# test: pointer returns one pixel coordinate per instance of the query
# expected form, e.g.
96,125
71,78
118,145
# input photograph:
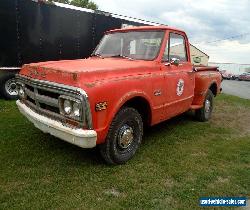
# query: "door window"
177,47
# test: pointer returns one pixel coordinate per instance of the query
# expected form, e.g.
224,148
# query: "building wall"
233,68
197,56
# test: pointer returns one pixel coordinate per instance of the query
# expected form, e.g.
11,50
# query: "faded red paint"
116,81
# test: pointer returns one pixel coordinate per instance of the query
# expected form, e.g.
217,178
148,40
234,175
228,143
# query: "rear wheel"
204,114
8,87
124,137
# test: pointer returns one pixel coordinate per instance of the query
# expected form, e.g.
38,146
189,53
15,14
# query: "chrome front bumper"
79,137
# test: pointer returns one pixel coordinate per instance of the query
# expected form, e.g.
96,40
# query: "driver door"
178,76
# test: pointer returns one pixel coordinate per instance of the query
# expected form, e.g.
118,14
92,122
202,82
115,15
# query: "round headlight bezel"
76,111
67,107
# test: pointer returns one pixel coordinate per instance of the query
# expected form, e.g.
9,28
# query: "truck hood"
76,72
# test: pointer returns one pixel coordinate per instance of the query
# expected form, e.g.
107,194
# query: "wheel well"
142,106
213,88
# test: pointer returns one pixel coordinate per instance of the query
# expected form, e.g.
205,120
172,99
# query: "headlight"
76,109
70,107
67,106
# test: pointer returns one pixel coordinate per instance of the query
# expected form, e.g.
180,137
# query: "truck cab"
136,77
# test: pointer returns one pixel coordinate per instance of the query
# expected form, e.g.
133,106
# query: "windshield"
141,45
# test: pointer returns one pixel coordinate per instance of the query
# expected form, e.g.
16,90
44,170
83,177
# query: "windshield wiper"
120,56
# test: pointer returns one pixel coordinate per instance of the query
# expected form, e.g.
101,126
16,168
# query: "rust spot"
35,73
74,76
90,85
72,122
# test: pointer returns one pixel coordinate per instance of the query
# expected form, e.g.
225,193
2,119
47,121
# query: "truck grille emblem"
101,106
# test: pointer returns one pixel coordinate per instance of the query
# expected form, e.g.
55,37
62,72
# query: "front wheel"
124,137
204,114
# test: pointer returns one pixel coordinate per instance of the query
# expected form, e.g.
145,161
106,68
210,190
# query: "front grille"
50,108
45,100
48,93
30,100
43,97
29,87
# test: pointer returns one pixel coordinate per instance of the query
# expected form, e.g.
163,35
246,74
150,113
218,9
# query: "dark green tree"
84,3
79,3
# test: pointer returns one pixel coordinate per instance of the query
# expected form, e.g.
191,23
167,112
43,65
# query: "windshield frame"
128,31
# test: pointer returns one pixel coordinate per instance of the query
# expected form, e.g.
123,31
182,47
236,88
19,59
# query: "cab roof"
138,28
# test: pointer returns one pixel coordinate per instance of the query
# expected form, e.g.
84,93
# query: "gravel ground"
236,88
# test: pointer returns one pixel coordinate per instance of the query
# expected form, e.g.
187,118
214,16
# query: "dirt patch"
164,202
168,183
112,192
219,181
199,154
235,117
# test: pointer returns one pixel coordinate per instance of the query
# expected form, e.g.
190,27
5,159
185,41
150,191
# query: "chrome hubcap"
125,136
11,87
207,106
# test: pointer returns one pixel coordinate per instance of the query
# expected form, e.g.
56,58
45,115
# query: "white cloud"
182,19
204,21
228,49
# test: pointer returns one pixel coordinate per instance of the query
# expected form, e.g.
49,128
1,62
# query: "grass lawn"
179,161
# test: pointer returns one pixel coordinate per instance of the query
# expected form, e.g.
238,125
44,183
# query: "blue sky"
204,21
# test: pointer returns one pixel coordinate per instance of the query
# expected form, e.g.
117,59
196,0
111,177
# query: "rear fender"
202,85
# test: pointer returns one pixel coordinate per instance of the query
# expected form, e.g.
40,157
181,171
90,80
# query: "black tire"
7,81
205,113
118,150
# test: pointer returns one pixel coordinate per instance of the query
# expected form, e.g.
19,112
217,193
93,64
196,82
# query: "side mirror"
173,61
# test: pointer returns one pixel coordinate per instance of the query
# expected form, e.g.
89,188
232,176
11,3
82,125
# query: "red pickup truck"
136,77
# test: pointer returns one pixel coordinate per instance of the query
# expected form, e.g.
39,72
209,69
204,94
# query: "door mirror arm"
173,61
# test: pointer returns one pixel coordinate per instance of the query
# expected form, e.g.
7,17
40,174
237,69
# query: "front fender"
115,95
128,96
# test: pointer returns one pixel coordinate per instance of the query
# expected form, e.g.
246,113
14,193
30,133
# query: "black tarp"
8,34
33,32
